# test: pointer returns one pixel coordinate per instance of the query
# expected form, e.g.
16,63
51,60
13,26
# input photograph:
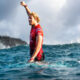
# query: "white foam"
2,46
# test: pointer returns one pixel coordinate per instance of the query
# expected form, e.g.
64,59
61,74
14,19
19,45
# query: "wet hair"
36,17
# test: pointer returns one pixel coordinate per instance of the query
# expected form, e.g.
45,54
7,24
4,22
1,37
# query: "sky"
60,20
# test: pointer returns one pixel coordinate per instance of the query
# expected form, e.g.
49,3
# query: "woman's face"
31,20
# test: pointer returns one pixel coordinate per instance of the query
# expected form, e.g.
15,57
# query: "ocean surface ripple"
62,62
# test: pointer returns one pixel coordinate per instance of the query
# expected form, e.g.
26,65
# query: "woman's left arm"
38,47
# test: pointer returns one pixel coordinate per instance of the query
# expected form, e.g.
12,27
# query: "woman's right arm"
26,7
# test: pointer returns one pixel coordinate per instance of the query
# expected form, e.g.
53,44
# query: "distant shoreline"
6,41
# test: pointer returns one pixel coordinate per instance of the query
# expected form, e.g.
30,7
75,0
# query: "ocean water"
62,62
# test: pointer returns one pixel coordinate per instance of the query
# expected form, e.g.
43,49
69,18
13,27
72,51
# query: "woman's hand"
31,60
23,3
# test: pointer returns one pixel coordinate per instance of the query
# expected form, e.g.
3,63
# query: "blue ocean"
62,62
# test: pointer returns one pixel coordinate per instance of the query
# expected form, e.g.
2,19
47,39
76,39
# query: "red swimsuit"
33,34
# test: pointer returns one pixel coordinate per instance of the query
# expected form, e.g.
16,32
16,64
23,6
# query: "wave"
2,46
62,60
62,44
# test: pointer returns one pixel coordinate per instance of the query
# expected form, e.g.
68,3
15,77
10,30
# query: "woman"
36,36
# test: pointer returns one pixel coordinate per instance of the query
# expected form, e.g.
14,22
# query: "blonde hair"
36,17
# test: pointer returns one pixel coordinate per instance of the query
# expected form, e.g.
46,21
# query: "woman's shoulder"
38,26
